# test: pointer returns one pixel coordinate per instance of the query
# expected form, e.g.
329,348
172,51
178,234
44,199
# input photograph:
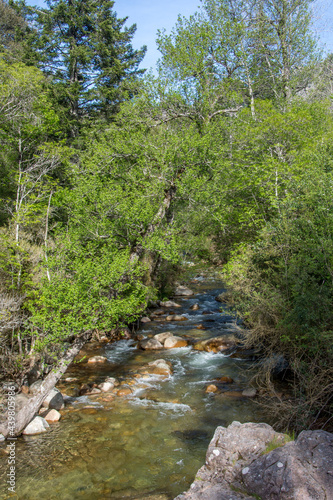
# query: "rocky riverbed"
137,420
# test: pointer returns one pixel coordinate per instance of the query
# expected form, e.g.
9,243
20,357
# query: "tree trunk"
28,412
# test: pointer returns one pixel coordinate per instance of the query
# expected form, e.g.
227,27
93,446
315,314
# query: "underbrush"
282,288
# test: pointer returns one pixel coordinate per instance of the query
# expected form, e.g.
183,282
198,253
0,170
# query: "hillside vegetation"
109,176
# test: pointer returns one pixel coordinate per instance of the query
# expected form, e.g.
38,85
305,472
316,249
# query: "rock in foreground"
238,467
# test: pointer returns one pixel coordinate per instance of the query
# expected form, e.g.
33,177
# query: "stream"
149,444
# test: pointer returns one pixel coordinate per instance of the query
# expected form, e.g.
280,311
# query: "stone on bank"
36,426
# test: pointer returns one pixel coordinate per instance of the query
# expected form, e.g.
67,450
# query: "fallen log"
28,412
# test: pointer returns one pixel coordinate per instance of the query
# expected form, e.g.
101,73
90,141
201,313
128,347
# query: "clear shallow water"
148,445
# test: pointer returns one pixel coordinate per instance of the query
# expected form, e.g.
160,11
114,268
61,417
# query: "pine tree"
88,51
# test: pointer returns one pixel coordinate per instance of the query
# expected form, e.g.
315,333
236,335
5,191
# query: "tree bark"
29,411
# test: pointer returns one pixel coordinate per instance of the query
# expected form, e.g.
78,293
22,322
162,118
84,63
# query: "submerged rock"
97,359
250,392
176,317
225,380
158,312
125,391
160,367
112,380
222,297
36,426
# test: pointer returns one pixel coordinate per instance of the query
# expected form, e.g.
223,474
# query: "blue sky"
149,16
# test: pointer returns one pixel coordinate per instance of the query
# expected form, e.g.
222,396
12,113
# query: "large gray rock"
238,467
230,450
54,400
300,470
36,426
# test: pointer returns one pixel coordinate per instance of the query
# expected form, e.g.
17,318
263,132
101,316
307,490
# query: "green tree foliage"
88,51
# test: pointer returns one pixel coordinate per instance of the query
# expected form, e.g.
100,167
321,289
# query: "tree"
27,164
88,51
285,46
14,32
233,52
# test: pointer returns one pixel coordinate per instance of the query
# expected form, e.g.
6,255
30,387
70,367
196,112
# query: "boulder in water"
161,337
175,342
183,291
195,307
150,344
54,400
52,416
145,319
106,386
211,388
169,303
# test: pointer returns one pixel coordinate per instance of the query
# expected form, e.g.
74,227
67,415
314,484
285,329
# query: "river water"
150,444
